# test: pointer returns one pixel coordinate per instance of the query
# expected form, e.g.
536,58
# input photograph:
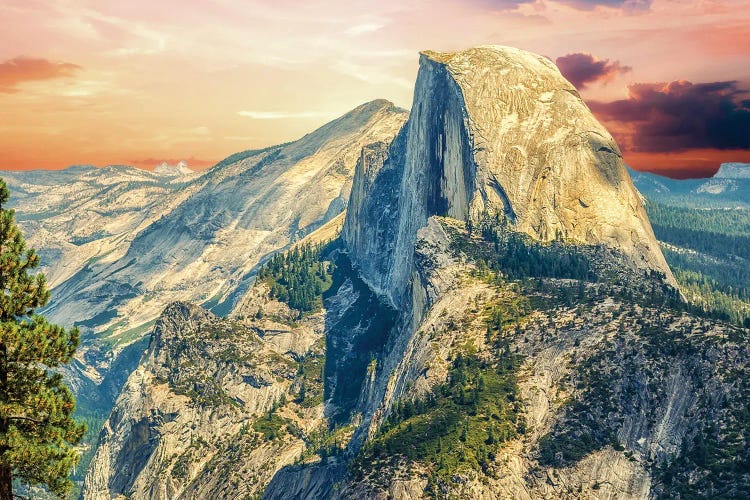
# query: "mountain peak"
491,55
180,169
497,129
733,171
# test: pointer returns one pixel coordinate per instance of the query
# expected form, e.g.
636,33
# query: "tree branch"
29,419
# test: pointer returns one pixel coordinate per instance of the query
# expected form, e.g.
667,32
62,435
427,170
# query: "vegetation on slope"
710,295
655,359
517,256
461,424
310,375
715,463
681,222
613,382
709,253
298,277
717,289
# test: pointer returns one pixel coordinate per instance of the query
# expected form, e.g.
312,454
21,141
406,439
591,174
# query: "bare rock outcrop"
497,129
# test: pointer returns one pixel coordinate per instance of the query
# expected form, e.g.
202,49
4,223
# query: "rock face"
83,214
491,328
498,129
182,426
596,423
120,243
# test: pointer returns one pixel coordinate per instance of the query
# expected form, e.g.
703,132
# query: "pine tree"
37,432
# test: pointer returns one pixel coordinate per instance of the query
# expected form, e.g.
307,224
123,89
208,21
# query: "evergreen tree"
37,432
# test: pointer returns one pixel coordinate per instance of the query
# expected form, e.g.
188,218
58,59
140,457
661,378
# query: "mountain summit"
497,129
181,168
733,171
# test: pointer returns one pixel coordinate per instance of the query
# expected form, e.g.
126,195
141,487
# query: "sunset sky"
140,82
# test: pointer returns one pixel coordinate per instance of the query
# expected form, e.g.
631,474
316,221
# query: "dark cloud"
681,115
620,4
24,69
582,69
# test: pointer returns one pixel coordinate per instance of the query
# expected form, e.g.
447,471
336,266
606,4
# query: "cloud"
693,163
371,74
681,115
361,29
282,115
505,4
631,5
582,69
25,69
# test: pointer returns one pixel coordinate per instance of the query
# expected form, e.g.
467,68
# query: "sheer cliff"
121,243
495,320
498,129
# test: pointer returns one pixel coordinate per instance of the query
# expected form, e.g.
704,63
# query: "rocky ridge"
127,242
497,129
733,171
484,334
183,424
728,188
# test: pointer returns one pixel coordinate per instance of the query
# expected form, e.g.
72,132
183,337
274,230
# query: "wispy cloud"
371,75
630,5
282,115
361,29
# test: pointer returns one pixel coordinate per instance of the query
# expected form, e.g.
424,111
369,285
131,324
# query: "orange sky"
141,82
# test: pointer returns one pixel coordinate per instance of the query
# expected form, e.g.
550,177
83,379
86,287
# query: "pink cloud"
24,69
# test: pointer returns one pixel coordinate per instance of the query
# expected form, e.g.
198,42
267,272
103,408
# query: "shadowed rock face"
498,129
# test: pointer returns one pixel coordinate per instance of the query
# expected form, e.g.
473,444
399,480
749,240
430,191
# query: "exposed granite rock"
492,130
182,427
642,380
120,243
496,129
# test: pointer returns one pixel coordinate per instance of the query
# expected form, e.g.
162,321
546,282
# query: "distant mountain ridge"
733,171
180,169
728,188
119,243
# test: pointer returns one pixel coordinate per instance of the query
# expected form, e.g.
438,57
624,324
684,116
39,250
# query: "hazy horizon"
140,83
